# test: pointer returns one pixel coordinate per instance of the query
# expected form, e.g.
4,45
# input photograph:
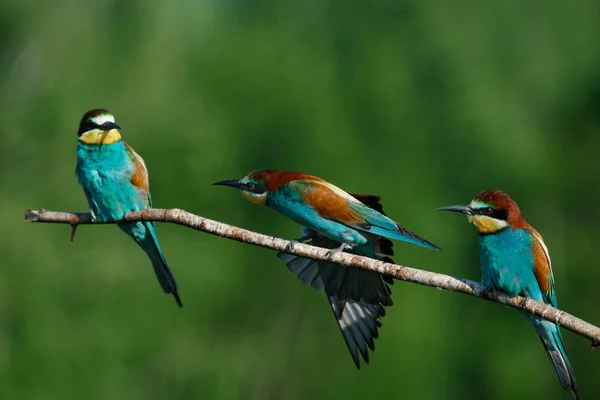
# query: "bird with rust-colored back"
336,220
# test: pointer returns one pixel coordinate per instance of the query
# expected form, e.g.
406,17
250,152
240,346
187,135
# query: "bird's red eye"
486,211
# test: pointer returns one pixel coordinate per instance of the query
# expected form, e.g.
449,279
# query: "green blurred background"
424,103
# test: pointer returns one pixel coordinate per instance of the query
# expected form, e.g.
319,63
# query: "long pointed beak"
234,183
104,133
107,126
461,209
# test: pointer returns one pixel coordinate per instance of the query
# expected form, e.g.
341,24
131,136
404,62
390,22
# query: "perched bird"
515,260
336,220
114,179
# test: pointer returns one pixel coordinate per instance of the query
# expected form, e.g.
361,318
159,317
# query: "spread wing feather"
357,297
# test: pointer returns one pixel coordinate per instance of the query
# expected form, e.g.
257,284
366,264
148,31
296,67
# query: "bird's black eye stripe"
254,187
501,214
86,126
493,213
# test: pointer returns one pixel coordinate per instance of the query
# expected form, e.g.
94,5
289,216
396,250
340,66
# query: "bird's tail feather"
145,236
551,338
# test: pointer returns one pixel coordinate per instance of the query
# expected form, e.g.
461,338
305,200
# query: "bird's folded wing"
139,178
543,268
333,203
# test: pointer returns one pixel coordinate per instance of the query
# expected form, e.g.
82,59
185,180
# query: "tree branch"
400,272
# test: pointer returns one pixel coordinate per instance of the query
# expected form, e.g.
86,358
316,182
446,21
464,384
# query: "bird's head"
98,127
490,211
253,186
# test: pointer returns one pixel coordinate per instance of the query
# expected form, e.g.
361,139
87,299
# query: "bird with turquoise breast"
337,220
515,260
114,179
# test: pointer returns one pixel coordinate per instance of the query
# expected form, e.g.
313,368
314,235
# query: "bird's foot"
523,302
485,292
290,246
342,247
93,219
594,345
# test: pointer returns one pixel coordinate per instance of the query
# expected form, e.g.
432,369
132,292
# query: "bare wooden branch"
399,272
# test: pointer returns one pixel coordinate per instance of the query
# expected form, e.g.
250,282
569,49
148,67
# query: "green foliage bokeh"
424,103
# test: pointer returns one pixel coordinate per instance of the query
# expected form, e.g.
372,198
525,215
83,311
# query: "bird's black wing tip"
433,245
177,299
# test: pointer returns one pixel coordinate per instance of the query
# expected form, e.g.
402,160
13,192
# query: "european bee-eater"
515,260
114,179
333,218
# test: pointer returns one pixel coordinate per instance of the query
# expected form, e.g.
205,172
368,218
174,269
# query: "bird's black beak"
234,183
107,126
461,209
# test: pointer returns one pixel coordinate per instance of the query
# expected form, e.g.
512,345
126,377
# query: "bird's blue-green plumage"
508,264
104,172
289,202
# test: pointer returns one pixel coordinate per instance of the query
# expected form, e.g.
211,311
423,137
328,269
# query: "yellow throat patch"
97,136
486,225
260,199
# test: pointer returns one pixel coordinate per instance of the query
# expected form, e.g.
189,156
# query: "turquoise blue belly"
105,174
507,263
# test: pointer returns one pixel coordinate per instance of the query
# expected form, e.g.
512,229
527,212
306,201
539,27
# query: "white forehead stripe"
476,204
103,118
